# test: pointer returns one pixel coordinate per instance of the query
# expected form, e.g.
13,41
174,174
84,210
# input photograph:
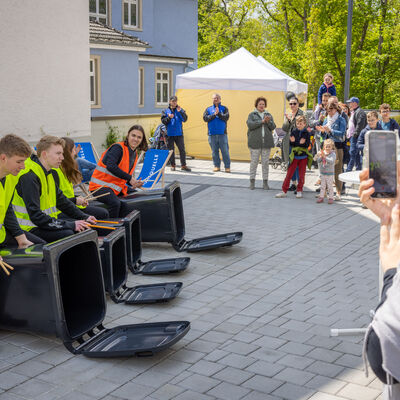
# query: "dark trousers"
10,241
355,156
116,208
97,212
178,140
51,236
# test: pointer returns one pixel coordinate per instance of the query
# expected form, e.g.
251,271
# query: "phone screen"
382,163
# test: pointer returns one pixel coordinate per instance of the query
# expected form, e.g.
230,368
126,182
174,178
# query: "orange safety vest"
103,177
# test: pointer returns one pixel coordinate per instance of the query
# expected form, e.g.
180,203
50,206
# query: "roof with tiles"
103,34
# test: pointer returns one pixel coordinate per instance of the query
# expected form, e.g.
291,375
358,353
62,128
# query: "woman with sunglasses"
289,123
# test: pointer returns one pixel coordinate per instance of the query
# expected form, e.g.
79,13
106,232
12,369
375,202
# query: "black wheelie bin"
115,272
59,289
133,235
162,220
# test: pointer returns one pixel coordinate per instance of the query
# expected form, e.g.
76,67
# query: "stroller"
275,158
159,139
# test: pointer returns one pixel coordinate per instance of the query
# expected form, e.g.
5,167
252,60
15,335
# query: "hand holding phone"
381,158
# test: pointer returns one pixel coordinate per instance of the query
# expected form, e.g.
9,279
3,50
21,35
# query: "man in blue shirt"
172,118
216,117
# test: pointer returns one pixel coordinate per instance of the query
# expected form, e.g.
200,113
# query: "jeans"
217,143
355,157
86,167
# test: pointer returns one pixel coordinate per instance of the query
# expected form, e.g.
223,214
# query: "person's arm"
165,119
11,223
111,160
333,90
270,124
208,117
394,125
340,132
361,122
183,114
331,158
29,188
252,122
286,125
68,207
224,116
320,91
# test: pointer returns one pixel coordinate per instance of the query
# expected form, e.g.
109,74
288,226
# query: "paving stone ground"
260,311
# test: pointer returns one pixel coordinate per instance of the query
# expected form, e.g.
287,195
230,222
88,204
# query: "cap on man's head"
173,98
353,100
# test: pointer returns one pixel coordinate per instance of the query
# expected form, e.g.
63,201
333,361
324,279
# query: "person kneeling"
37,196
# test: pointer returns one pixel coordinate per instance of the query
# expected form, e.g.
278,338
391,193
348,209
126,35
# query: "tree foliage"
307,38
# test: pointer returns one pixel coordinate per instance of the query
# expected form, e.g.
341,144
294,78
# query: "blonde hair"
329,75
301,118
329,141
46,142
373,113
13,145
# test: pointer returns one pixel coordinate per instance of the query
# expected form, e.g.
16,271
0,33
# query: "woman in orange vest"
115,170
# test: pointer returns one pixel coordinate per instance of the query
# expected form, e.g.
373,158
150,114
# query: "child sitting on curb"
326,158
299,156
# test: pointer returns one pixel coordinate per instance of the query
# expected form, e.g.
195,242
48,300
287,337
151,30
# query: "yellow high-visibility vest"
48,199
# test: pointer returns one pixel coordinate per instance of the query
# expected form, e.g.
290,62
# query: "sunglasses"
293,104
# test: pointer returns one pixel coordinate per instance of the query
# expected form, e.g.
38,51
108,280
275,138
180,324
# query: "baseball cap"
353,100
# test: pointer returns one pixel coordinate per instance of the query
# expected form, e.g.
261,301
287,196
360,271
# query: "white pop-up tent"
239,78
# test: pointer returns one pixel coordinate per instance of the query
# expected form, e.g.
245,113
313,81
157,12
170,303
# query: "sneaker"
317,190
337,197
172,167
299,195
280,195
227,170
216,169
292,188
318,182
185,168
320,200
330,201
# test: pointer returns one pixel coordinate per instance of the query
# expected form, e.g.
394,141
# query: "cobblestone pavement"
260,311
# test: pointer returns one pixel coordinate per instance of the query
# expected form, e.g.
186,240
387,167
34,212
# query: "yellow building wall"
239,103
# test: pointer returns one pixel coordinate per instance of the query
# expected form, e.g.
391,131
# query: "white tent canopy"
292,85
239,71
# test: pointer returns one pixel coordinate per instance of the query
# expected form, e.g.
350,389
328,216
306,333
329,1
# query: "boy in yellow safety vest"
13,153
37,198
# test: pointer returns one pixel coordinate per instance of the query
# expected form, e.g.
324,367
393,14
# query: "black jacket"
360,121
30,189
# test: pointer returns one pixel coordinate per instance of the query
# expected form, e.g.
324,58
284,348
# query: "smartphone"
381,158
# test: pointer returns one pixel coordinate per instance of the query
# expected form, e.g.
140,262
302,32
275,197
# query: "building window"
163,86
98,10
132,14
94,75
141,87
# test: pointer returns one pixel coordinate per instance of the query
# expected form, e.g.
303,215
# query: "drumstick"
4,268
108,222
102,227
94,191
8,265
96,197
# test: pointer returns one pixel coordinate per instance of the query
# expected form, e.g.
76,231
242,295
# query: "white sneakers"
280,195
299,195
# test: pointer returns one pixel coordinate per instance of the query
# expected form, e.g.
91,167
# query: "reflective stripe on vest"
103,177
48,200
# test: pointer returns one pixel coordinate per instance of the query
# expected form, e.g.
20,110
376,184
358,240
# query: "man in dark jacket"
37,197
357,122
172,118
216,117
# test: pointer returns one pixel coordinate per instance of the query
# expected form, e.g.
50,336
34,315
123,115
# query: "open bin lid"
94,340
116,274
163,266
209,242
140,340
